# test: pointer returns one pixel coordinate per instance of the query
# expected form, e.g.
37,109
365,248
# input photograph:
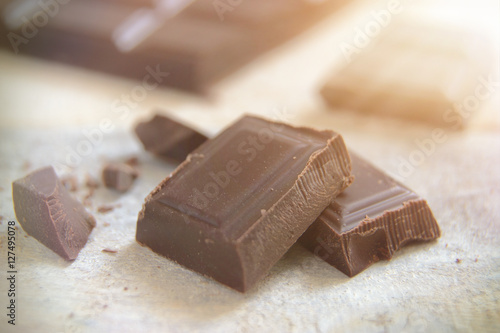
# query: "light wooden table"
47,110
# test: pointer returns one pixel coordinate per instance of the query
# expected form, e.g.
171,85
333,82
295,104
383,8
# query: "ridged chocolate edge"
326,174
386,233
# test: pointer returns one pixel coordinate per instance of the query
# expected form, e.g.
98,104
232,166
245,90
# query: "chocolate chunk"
105,209
70,182
168,138
133,161
91,183
414,71
119,176
369,221
243,198
152,42
47,212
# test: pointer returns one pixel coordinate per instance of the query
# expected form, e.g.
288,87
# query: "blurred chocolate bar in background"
413,69
195,42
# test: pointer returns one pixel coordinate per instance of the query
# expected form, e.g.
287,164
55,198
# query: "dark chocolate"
243,198
147,41
168,138
119,176
47,212
369,221
103,209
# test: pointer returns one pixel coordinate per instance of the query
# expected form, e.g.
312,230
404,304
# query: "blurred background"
249,56
413,86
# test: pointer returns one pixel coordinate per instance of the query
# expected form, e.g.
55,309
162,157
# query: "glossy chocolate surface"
241,199
47,212
369,221
168,138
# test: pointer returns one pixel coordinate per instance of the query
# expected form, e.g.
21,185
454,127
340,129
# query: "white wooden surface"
46,108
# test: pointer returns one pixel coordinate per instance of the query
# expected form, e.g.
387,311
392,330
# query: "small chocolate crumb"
26,165
168,138
125,288
105,209
119,176
47,211
86,199
71,315
107,250
132,161
71,183
1,219
91,182
458,261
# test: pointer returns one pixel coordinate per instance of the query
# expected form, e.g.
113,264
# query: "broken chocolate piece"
217,215
152,41
168,138
47,212
369,221
133,161
119,176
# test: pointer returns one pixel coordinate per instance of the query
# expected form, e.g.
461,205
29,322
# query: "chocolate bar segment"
414,71
243,198
151,40
47,212
168,138
369,221
119,176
